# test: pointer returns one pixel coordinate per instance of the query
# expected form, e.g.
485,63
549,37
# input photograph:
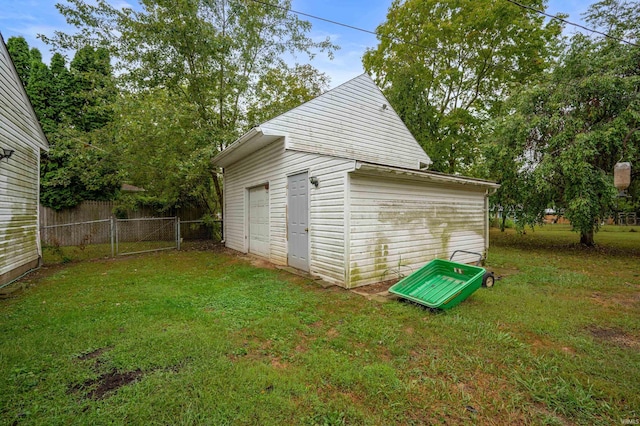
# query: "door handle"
306,229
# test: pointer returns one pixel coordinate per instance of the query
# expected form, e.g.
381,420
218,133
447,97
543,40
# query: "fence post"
178,232
112,230
115,231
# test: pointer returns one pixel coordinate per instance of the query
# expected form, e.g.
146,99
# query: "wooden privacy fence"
88,211
77,234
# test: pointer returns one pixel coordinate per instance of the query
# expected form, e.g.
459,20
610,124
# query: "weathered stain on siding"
398,226
440,219
17,242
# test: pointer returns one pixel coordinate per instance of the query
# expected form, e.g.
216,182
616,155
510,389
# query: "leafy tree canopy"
559,139
282,89
213,54
19,50
213,59
446,66
74,107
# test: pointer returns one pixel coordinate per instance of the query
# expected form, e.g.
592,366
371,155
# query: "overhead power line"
541,12
277,6
319,18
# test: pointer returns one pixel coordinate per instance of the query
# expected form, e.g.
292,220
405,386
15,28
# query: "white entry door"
298,221
259,221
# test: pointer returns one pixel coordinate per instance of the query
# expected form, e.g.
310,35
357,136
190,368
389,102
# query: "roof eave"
425,175
255,139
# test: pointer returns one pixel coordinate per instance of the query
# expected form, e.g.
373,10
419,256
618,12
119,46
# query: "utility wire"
277,6
524,6
308,15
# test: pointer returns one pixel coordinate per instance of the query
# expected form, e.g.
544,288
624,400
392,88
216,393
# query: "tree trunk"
216,185
586,238
502,224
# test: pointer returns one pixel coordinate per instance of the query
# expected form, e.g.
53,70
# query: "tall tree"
158,150
60,89
559,140
210,55
92,89
75,109
19,50
446,66
39,90
80,103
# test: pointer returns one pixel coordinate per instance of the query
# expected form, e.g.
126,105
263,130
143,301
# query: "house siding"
19,175
350,122
271,165
397,225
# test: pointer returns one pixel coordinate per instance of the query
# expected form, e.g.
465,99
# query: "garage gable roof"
353,120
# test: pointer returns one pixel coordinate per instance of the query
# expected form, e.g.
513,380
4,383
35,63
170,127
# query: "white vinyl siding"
272,164
19,175
351,122
397,225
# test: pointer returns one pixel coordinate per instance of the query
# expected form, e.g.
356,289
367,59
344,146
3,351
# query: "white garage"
338,187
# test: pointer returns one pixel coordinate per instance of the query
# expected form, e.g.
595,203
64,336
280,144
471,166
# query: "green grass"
66,254
211,339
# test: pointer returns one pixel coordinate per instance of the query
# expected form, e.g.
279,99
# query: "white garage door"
259,221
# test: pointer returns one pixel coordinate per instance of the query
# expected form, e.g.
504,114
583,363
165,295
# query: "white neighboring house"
338,187
22,136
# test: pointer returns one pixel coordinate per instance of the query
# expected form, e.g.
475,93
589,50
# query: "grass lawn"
204,337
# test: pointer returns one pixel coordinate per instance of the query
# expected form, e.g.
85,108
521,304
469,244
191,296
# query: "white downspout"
486,223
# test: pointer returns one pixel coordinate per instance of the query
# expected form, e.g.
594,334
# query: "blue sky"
28,18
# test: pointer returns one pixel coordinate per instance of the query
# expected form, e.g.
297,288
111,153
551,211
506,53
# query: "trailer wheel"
488,279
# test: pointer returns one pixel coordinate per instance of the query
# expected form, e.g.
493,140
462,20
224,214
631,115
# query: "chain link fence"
113,237
147,234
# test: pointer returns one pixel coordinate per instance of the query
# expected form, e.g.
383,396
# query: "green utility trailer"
442,284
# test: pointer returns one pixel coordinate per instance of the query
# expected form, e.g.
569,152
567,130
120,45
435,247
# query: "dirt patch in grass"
203,245
615,336
106,383
500,273
375,288
94,354
615,300
540,345
317,324
278,364
332,333
259,262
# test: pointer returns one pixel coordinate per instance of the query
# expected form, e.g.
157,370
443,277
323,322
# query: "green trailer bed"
442,284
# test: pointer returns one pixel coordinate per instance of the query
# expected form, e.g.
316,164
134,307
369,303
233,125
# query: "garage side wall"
271,165
398,225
